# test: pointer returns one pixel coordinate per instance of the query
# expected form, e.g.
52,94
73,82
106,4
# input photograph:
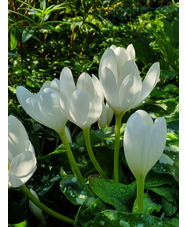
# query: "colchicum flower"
80,102
144,142
120,79
44,106
21,154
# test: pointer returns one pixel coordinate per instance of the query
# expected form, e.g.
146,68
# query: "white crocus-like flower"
44,106
21,154
120,79
144,142
80,102
37,212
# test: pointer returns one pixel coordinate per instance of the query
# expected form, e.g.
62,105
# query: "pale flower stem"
71,158
46,209
86,133
118,118
140,193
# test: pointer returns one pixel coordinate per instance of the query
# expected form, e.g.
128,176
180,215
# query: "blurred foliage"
45,36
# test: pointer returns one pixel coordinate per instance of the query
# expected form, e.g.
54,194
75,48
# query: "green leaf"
168,164
27,34
43,5
168,208
148,205
110,218
118,195
88,211
74,190
13,38
170,193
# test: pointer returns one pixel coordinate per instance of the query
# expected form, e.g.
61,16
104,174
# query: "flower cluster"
118,89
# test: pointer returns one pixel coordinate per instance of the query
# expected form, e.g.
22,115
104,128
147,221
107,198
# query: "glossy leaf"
27,34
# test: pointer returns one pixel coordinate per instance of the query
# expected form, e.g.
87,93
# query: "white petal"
131,52
129,91
22,168
121,57
102,121
16,137
157,142
94,111
149,82
129,68
67,85
98,87
109,114
68,135
108,60
55,84
79,107
85,83
51,109
29,102
137,141
110,89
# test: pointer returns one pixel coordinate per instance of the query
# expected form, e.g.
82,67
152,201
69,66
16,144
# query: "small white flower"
80,102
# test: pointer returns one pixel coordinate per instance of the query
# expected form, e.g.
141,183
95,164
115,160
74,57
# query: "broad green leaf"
88,211
13,38
168,164
110,218
27,34
155,179
21,224
116,194
170,193
148,205
74,190
168,208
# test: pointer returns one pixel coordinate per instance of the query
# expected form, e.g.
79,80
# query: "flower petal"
79,107
54,116
22,168
16,137
129,68
157,142
102,121
67,85
108,60
94,111
110,89
129,91
149,82
131,52
98,87
85,83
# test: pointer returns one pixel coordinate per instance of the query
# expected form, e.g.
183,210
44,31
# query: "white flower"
68,134
37,212
80,102
120,79
44,106
21,154
144,142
